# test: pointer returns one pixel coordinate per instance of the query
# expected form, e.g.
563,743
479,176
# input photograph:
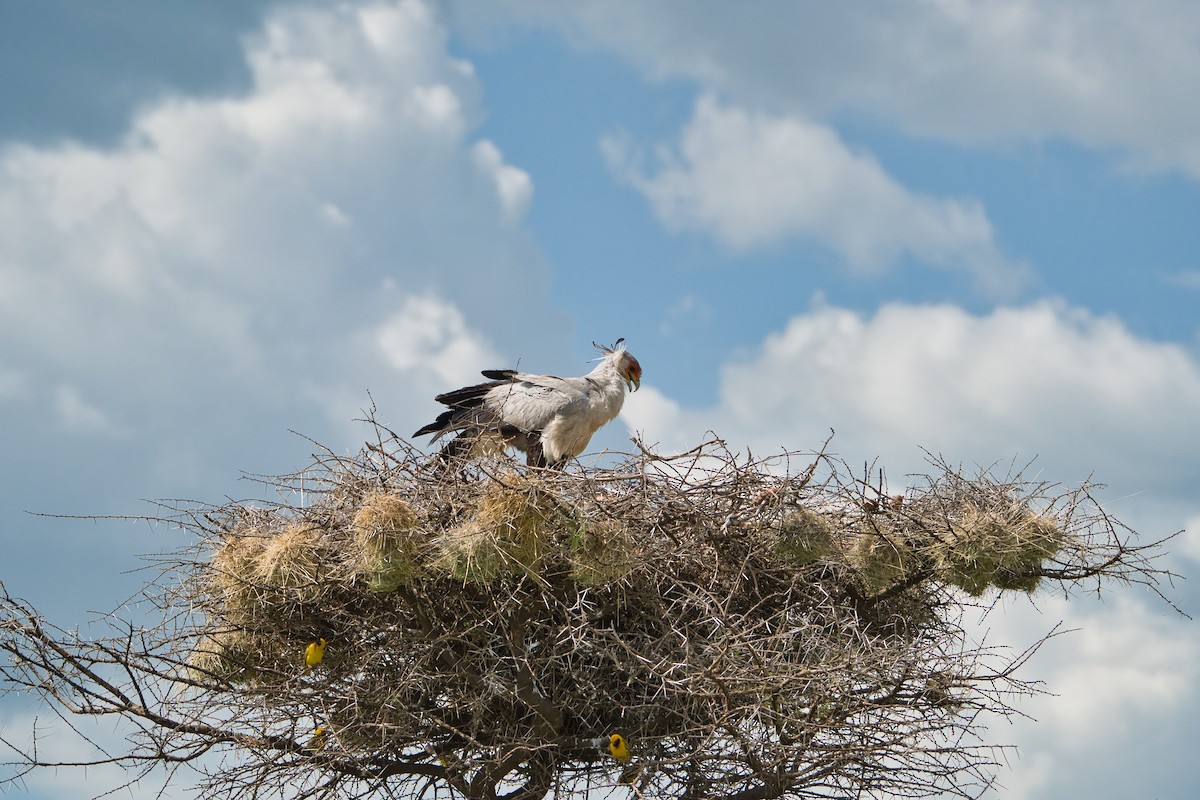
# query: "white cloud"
1121,669
1081,392
228,252
1102,697
659,419
753,180
1107,74
77,415
1117,666
430,334
513,185
238,266
335,215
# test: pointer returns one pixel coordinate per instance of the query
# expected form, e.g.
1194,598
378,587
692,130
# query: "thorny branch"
755,628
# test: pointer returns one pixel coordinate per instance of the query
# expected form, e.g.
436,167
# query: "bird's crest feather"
605,350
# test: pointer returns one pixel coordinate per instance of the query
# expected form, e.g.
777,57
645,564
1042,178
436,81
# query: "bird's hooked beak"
632,374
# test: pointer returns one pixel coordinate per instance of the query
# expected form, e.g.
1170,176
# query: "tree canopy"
749,627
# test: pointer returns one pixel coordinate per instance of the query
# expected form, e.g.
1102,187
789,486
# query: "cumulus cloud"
513,185
754,180
1122,678
1080,390
237,266
1108,75
1101,697
263,252
426,332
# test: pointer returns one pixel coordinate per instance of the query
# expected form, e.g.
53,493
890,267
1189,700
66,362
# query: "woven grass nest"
731,617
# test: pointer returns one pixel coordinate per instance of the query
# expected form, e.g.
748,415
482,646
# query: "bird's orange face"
631,372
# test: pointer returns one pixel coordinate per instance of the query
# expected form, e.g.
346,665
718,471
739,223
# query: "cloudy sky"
969,226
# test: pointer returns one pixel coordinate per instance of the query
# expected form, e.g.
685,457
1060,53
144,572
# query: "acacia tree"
752,628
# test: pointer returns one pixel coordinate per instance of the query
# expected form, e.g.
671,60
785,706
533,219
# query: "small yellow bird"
319,739
446,760
618,748
314,653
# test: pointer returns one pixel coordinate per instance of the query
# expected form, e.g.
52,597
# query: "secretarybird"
550,419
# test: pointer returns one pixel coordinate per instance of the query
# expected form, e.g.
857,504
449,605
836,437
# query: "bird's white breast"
568,434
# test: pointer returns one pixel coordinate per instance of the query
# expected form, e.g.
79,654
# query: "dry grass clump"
994,541
805,537
1000,548
225,655
231,575
882,554
512,530
976,536
298,560
386,541
970,551
602,551
252,657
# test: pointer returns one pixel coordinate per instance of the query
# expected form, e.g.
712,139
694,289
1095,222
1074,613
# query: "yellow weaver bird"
630,775
447,761
314,653
319,739
618,749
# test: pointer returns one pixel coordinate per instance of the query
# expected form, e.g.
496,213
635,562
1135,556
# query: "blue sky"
970,227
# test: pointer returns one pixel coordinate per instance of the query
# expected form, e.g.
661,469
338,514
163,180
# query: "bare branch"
753,628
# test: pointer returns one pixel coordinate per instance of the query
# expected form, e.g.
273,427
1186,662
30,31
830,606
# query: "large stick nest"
752,627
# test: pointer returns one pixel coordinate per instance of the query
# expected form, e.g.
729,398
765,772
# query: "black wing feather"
468,396
444,421
467,414
466,409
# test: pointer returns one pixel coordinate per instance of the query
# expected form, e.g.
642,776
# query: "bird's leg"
534,456
452,455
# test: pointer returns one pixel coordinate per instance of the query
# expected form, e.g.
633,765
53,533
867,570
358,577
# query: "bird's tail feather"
455,452
473,443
